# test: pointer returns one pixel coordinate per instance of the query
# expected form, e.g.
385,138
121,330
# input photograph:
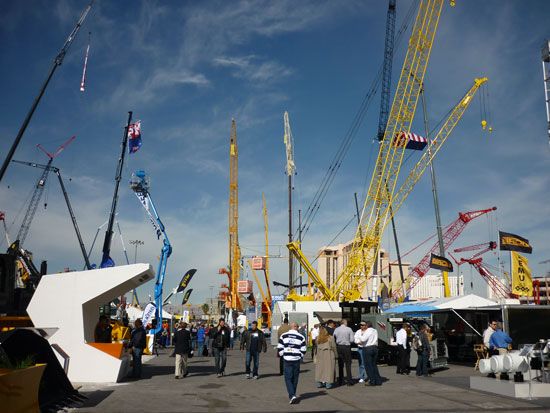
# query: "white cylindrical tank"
485,366
497,365
515,362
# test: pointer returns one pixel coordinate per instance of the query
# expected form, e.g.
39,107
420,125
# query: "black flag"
441,263
185,280
186,296
513,242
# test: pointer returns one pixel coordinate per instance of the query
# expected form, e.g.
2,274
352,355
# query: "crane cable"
320,194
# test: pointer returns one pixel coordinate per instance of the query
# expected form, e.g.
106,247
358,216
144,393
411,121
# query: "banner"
134,135
441,263
185,280
148,314
513,242
522,283
145,202
186,296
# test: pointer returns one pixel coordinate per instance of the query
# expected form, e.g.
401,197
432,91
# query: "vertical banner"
148,314
185,280
522,283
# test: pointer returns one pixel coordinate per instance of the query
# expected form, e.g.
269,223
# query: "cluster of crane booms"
384,198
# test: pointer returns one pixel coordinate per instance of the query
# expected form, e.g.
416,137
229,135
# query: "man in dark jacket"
220,344
138,342
182,348
423,352
253,341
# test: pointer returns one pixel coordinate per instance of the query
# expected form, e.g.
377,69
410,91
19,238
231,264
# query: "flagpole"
118,178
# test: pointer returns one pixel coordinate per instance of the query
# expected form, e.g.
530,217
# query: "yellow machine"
384,199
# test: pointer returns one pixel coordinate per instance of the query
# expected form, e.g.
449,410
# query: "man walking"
282,329
402,349
292,349
138,341
343,335
182,343
253,341
220,344
370,344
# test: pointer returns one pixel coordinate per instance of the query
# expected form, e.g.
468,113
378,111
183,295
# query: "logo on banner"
186,296
185,280
441,263
522,283
513,242
148,313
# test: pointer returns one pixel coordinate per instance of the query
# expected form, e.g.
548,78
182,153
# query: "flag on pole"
513,242
522,283
134,135
185,280
440,263
186,296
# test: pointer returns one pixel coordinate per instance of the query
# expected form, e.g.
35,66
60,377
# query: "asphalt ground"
201,391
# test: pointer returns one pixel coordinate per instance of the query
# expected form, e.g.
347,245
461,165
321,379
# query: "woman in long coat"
325,362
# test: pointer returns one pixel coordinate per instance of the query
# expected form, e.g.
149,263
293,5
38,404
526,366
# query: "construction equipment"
351,281
39,190
450,234
380,196
57,171
545,53
500,289
57,62
350,284
290,171
140,185
106,260
234,248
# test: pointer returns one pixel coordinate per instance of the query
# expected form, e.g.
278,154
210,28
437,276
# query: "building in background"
431,286
333,258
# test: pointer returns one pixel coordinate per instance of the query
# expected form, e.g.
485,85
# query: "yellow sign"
522,283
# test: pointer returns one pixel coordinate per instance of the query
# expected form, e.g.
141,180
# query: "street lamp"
136,242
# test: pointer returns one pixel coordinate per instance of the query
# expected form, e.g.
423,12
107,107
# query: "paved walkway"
202,391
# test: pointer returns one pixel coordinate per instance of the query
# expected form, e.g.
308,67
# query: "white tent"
462,302
134,313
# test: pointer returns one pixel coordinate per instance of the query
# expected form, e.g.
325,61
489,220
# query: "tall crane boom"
386,70
234,248
376,209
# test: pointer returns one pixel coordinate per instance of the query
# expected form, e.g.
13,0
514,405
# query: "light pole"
136,242
211,293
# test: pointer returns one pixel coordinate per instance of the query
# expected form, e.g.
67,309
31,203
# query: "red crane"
452,231
500,289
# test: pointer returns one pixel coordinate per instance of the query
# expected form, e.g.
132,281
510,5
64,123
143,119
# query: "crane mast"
290,171
376,209
234,248
39,190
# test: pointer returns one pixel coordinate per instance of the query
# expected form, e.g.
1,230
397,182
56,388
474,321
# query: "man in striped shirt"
292,348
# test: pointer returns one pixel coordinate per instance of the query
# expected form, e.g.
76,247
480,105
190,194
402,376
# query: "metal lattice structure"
452,232
234,248
376,208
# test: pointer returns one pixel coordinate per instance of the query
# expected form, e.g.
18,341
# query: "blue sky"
186,68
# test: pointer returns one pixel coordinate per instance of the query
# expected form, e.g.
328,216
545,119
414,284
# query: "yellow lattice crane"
350,288
234,248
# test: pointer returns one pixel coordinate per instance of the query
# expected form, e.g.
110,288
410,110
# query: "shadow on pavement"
311,395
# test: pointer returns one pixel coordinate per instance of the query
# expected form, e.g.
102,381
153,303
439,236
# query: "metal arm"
140,187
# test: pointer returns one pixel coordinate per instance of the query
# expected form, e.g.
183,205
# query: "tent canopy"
457,303
134,313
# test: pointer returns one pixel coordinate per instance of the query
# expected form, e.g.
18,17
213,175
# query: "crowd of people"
331,349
